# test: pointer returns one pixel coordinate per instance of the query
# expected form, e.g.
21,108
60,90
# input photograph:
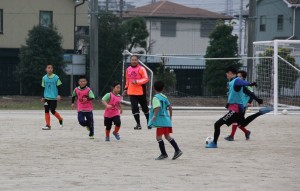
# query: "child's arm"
170,111
155,112
106,104
120,108
73,99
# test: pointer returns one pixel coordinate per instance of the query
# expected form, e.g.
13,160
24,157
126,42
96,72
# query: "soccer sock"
147,117
107,132
162,147
243,129
57,116
137,118
116,129
233,130
47,119
174,144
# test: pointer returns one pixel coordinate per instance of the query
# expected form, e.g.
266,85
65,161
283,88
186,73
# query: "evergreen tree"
43,46
222,44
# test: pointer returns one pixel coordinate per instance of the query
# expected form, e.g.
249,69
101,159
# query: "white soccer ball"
284,112
209,140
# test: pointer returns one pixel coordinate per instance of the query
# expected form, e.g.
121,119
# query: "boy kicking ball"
161,120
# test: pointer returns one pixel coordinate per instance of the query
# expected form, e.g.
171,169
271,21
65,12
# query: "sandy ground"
66,159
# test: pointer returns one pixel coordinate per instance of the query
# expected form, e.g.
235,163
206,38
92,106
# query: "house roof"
292,3
166,9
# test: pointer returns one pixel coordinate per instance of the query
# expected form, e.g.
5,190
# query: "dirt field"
66,159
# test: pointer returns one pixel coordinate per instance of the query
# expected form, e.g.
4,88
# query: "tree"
287,75
43,46
111,45
166,75
222,44
136,33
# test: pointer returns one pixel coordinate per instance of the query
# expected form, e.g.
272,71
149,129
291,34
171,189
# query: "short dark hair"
159,86
231,69
244,73
115,84
134,56
82,77
49,64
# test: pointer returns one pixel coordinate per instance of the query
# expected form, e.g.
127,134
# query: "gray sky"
211,5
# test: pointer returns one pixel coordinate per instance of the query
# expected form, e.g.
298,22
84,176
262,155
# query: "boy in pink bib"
112,103
84,96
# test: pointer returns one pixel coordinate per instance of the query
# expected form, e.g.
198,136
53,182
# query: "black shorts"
232,117
108,121
50,105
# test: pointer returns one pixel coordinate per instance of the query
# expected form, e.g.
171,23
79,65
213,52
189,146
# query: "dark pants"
86,119
135,101
228,119
109,121
50,105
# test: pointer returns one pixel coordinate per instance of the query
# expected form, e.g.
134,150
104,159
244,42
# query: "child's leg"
117,122
90,122
81,119
108,124
172,142
53,105
161,145
47,114
233,129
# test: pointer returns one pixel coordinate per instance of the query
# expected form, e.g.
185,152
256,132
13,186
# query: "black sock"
137,118
162,147
174,144
147,117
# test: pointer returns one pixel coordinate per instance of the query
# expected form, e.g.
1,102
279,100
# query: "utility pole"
240,27
121,8
106,5
153,1
251,36
94,65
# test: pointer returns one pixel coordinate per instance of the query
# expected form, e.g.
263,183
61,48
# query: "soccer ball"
284,112
209,140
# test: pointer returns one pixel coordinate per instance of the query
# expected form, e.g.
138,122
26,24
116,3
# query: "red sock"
233,130
116,129
243,129
107,133
47,119
57,116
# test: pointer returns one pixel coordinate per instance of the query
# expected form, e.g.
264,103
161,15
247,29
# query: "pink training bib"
133,73
115,101
83,105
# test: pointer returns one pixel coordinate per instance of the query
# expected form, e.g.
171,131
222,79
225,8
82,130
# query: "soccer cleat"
211,145
137,127
61,123
161,157
247,135
265,110
107,139
229,138
177,154
46,127
117,135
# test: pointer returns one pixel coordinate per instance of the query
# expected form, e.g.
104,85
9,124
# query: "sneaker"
46,127
247,135
137,127
61,123
107,139
161,157
229,138
211,145
177,154
265,110
92,137
117,135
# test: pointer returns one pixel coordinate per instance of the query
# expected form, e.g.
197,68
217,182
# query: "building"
277,19
18,17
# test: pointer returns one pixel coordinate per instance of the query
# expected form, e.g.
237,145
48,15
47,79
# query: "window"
1,21
46,18
262,23
207,26
280,22
168,28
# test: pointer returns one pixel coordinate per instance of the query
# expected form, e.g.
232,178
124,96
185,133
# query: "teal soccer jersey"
50,84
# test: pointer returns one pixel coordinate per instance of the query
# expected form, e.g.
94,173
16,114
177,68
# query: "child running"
51,94
84,96
113,110
160,119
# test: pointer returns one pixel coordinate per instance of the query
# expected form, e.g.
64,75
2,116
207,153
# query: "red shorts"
163,131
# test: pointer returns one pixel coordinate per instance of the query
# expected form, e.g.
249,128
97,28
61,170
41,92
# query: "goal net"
276,69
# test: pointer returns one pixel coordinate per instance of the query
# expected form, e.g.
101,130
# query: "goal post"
277,72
